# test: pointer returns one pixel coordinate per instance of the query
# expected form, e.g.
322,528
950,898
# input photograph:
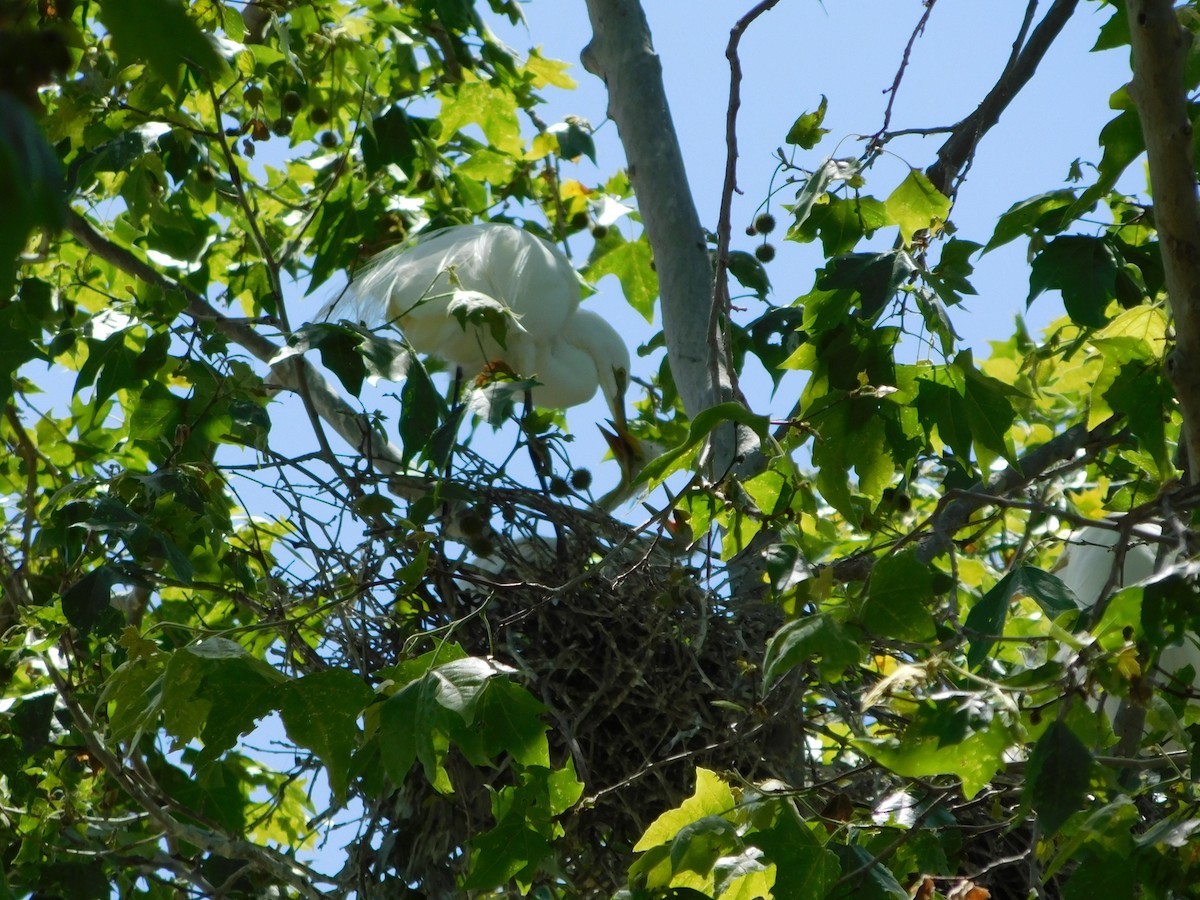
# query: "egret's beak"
630,456
619,422
626,449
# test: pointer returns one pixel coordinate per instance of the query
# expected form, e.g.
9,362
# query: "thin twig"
904,59
721,300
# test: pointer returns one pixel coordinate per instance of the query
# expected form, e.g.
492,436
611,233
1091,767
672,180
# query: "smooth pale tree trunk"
1159,91
621,53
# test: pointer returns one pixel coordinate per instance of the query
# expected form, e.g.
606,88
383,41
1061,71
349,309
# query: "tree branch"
957,512
297,374
1159,91
958,151
894,90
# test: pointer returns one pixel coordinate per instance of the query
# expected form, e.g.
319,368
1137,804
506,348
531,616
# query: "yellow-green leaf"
917,204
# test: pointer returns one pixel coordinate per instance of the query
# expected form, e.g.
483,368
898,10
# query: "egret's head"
631,454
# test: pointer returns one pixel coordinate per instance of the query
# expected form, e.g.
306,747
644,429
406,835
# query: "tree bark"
1159,91
622,54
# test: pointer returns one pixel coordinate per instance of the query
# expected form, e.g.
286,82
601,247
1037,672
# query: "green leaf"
804,867
841,223
1043,214
393,138
422,412
1084,269
161,34
916,205
339,349
502,853
508,719
874,276
949,276
87,603
156,415
975,759
749,272
941,406
743,876
900,598
698,845
563,789
418,721
658,469
574,141
854,435
1123,143
1058,776
986,619
320,712
31,183
491,108
806,132
829,171
30,718
548,71
990,415
1144,395
712,797
216,690
134,691
631,262
412,726
816,637
876,883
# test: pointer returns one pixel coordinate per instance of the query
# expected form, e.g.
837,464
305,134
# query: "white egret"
483,273
1087,566
489,296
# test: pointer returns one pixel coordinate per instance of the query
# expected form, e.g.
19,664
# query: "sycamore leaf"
916,205
806,132
491,108
986,619
1084,270
817,637
160,33
975,759
900,598
1045,214
631,263
1059,771
320,712
704,423
712,797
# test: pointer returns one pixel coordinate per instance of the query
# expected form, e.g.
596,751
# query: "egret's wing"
425,286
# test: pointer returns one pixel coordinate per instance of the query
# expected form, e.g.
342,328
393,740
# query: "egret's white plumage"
1091,555
1088,566
500,271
